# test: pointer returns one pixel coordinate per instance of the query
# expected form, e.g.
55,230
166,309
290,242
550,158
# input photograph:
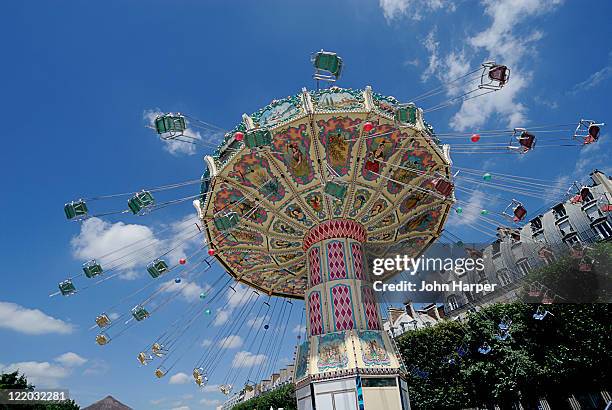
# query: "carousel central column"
348,361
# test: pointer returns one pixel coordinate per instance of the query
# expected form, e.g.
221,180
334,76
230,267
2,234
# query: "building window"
572,240
469,296
452,302
593,212
559,211
565,228
503,277
603,229
523,266
536,224
496,248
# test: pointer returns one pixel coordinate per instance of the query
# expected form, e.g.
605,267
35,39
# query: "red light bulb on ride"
239,136
368,126
211,252
475,137
182,261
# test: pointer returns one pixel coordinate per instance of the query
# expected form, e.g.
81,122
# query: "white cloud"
210,388
595,79
190,291
414,9
179,378
98,238
40,374
181,408
471,210
96,367
299,329
239,297
256,322
432,46
231,342
221,317
71,359
206,343
210,402
247,359
30,321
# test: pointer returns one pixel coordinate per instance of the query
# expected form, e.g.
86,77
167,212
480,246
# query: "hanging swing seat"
103,320
143,358
170,125
140,313
140,203
67,288
335,190
588,130
405,114
160,372
225,389
157,268
443,186
92,268
258,138
541,313
158,350
227,221
494,76
485,349
76,210
102,339
328,66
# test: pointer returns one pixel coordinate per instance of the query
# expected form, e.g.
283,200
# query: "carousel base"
354,393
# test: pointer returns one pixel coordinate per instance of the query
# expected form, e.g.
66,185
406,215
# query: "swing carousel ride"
288,200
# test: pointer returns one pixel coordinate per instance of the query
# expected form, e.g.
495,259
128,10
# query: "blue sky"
80,76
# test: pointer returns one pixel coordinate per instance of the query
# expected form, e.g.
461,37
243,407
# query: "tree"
15,381
282,397
564,353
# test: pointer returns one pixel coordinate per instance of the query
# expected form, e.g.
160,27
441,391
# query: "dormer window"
536,224
586,194
559,211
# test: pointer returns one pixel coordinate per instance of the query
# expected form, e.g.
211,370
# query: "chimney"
394,313
599,178
410,309
440,312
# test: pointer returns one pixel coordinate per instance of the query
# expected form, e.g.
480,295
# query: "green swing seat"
226,222
405,114
67,288
335,190
327,62
92,268
157,268
258,138
76,210
141,202
170,125
140,313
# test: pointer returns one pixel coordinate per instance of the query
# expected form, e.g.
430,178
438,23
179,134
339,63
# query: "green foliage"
564,277
16,381
282,397
564,353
